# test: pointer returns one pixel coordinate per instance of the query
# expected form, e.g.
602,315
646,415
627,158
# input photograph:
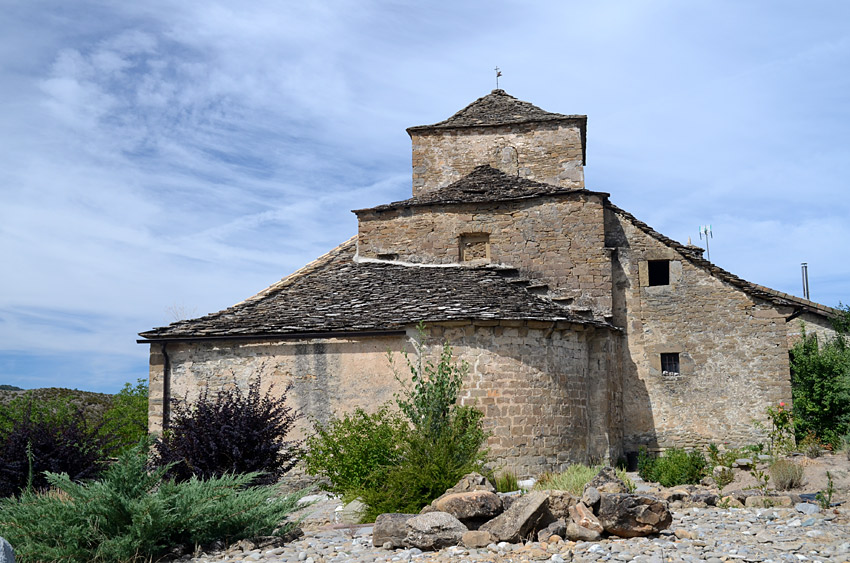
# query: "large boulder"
556,528
390,528
606,481
523,519
473,508
433,531
560,503
629,516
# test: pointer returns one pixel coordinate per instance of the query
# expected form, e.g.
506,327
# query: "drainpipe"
166,386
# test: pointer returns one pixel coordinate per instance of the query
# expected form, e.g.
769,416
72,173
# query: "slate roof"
694,255
338,294
484,184
498,108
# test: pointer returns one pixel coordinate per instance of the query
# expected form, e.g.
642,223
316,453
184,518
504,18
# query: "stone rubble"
696,534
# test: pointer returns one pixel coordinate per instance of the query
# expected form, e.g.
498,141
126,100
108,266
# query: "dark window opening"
670,364
388,256
659,272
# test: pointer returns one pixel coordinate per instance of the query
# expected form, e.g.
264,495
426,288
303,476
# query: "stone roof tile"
497,108
483,184
339,294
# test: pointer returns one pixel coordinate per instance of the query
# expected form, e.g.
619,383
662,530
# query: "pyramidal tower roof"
497,108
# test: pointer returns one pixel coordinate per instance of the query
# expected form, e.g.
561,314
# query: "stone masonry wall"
545,396
545,152
558,241
546,399
731,347
327,375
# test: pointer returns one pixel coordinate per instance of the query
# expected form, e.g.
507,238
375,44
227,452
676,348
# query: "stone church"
588,333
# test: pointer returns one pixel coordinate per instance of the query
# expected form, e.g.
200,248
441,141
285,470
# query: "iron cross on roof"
498,74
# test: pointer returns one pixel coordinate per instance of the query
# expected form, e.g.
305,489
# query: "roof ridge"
695,257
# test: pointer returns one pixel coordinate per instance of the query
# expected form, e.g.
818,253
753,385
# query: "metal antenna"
805,268
706,230
498,74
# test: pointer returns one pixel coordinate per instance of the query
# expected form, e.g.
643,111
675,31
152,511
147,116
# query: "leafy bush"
126,421
355,452
428,465
133,514
786,474
820,385
229,433
675,467
574,479
42,437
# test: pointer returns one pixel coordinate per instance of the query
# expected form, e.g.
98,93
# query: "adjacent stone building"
588,333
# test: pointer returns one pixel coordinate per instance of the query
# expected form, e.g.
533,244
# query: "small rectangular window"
670,364
474,246
659,272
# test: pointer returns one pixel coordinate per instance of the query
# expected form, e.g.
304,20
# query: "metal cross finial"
498,74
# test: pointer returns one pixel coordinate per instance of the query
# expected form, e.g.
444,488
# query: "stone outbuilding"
588,334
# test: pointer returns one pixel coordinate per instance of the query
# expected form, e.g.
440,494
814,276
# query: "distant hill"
91,403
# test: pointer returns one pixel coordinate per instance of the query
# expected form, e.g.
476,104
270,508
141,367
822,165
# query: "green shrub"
429,465
355,452
232,432
575,477
675,467
810,446
133,514
126,421
786,474
820,385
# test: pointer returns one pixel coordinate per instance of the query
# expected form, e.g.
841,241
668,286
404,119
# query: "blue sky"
167,158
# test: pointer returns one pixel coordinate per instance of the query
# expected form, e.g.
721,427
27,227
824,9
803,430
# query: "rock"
591,498
760,501
731,502
606,481
673,495
556,528
472,482
743,463
578,533
434,531
583,516
560,503
470,506
351,513
476,538
7,554
705,497
390,528
630,516
524,518
806,508
508,500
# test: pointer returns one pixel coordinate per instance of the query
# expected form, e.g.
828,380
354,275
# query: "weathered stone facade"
557,241
588,334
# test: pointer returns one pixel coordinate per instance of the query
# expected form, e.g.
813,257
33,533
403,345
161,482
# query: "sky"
164,159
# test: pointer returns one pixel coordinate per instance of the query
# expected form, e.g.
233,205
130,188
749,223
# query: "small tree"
231,432
126,421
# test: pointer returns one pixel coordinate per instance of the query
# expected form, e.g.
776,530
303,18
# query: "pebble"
715,535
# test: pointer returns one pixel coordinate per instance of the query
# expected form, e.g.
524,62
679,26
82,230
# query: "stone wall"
813,324
545,152
548,396
327,375
731,347
558,241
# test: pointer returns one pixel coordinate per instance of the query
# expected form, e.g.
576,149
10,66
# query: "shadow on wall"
638,419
